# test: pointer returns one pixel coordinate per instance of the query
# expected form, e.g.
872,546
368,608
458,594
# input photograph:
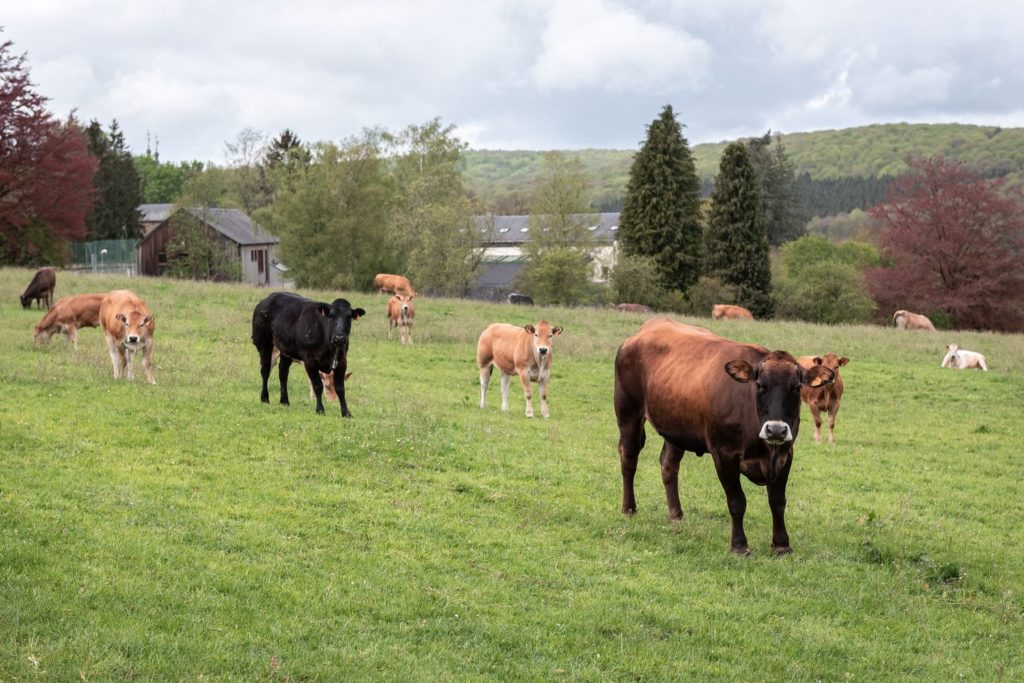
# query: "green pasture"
186,531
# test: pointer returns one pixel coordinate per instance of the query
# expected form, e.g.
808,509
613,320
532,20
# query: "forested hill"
830,159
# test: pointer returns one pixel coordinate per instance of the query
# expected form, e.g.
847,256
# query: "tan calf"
905,320
128,326
69,314
824,398
730,312
400,314
523,351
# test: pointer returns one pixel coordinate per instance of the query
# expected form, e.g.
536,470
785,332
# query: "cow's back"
676,374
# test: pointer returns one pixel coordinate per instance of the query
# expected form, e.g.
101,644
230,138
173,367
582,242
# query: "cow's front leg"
729,476
339,389
777,503
816,414
524,377
542,386
115,357
832,411
505,379
318,386
282,374
147,362
129,361
670,459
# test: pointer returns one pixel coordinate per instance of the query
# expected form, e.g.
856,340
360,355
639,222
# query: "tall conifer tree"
736,244
118,188
661,211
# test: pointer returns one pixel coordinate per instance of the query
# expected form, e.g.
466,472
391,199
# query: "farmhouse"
503,256
243,241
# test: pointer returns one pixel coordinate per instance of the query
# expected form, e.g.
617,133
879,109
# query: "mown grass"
185,530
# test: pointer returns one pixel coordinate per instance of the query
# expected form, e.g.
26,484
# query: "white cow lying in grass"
963,359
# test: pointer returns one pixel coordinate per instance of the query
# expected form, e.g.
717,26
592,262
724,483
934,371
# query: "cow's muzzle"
776,432
543,350
132,339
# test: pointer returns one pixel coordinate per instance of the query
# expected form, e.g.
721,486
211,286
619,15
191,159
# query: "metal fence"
104,256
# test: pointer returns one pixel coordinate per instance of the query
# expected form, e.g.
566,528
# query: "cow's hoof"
741,550
629,512
781,550
675,515
319,411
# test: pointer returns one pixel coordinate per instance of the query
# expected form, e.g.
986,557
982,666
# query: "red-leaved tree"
46,170
956,247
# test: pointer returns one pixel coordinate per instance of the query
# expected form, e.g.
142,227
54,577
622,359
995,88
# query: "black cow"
520,299
42,286
313,333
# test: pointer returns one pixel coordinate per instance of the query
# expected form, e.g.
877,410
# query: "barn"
242,240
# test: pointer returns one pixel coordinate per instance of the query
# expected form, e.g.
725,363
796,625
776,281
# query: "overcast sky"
527,74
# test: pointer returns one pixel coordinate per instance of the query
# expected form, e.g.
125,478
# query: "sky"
527,74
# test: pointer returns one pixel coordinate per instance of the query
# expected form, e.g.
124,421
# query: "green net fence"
104,255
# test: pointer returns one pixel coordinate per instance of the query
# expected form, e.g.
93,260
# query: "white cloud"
588,44
891,87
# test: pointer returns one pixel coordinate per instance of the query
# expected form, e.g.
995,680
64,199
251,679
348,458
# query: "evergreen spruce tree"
115,214
660,214
781,202
736,243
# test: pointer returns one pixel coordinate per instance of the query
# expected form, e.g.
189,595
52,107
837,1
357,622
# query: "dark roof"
231,223
515,229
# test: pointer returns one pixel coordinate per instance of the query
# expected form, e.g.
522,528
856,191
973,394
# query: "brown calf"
69,314
730,312
393,284
128,326
401,312
905,320
41,287
523,351
824,398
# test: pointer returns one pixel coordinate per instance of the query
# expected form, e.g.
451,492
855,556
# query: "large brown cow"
824,398
905,320
129,327
703,393
730,312
42,286
68,315
401,313
393,284
523,351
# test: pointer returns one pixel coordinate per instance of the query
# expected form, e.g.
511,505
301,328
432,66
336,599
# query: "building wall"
258,265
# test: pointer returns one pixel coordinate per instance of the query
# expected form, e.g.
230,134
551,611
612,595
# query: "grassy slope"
185,530
868,151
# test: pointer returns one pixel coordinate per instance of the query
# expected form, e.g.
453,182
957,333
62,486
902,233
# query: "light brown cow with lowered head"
825,397
393,284
128,326
523,351
69,314
400,314
905,320
730,312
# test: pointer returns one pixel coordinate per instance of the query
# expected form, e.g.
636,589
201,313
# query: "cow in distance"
41,287
730,312
704,393
905,320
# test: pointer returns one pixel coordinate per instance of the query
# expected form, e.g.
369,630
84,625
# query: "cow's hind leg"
485,378
729,475
266,362
282,374
670,458
631,441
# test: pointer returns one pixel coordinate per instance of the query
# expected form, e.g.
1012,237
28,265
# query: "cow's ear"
358,313
324,309
817,360
741,370
556,331
120,316
843,361
147,320
818,376
530,329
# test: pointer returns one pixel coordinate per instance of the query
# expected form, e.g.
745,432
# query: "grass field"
187,531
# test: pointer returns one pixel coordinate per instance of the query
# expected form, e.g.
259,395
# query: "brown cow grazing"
633,308
523,351
68,315
905,320
400,314
824,398
393,284
704,393
42,286
128,326
730,312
